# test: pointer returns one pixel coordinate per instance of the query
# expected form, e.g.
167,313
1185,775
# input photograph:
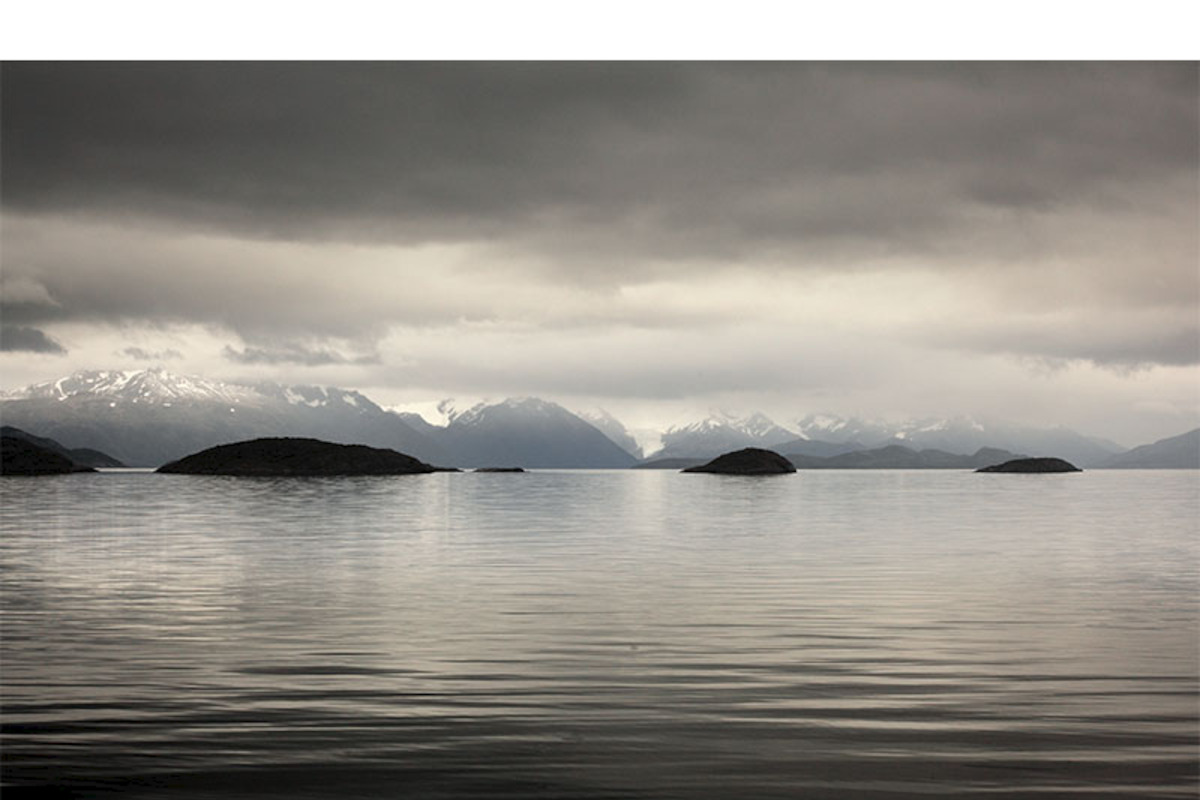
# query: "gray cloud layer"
328,203
21,338
843,161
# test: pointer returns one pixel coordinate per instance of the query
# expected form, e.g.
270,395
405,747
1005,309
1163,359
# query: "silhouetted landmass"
900,457
1176,452
22,457
750,461
1033,465
151,417
83,456
296,457
670,463
500,469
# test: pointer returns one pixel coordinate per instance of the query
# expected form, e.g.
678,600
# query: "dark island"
750,461
500,469
1032,466
20,456
287,457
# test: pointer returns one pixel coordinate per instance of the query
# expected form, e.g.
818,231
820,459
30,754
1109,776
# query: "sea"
601,634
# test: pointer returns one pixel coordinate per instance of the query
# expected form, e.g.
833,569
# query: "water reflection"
602,634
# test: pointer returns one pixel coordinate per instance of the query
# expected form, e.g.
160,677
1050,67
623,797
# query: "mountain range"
149,417
823,436
962,435
896,456
1175,452
720,433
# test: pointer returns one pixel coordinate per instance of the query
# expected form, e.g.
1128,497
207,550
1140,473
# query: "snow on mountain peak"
756,426
296,398
594,415
153,385
834,428
759,425
486,408
821,422
615,430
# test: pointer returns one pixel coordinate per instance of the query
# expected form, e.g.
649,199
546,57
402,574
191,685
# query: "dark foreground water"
629,634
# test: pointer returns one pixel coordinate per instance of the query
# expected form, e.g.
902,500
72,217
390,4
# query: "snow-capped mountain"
719,433
614,429
137,386
528,432
318,397
832,428
148,417
962,435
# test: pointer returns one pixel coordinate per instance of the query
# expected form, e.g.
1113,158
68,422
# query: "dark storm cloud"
21,338
592,159
401,150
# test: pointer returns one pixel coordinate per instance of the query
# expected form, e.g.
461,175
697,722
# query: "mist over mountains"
1174,452
149,417
956,435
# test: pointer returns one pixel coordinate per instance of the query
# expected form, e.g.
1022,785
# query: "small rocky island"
287,457
20,456
1032,466
750,461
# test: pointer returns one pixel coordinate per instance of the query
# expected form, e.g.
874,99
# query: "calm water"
624,634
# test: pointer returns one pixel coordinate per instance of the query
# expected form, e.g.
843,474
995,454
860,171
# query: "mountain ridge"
1173,452
897,456
150,416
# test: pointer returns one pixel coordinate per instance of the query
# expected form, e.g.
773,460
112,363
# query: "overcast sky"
1015,241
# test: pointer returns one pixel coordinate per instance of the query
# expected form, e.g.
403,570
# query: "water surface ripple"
607,634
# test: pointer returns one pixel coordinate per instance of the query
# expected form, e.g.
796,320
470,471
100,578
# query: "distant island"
900,457
20,456
499,469
292,457
748,461
1032,466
